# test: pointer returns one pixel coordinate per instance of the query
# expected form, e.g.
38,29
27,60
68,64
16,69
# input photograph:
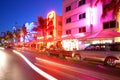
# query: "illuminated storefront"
69,42
85,16
54,29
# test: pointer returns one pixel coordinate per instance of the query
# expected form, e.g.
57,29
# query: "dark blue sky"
22,11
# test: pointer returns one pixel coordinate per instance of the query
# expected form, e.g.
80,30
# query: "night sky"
18,12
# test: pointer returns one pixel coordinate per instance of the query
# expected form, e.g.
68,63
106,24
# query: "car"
108,53
8,46
61,53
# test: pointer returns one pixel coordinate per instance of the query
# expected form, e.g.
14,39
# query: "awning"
65,37
57,39
82,36
49,40
105,34
79,36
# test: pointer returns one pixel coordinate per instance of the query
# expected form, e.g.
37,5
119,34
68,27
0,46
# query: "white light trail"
44,74
2,48
97,75
2,58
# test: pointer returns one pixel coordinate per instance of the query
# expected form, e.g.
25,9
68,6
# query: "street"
12,67
60,40
52,67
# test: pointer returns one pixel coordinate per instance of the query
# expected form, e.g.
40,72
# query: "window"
51,32
68,20
95,47
104,47
111,24
68,31
106,25
81,2
82,29
81,16
68,8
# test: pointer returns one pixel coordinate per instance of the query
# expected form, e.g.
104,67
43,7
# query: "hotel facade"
53,32
83,24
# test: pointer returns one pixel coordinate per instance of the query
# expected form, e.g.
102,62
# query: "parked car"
63,53
109,53
8,45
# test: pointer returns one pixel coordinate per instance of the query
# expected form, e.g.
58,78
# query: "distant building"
2,34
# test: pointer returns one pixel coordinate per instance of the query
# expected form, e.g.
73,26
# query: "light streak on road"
44,74
91,73
2,58
59,72
2,48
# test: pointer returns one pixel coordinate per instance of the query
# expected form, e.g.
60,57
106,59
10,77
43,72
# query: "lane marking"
39,71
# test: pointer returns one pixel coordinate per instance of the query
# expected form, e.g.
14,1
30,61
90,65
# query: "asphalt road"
13,67
61,69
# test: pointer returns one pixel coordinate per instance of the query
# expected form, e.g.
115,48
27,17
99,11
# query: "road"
13,67
63,69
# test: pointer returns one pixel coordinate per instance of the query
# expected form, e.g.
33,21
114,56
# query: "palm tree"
42,24
8,37
103,1
24,32
113,5
16,35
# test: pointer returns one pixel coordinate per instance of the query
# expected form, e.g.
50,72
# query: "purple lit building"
83,23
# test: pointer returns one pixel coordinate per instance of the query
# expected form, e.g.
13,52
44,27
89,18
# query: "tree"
8,37
16,35
24,32
42,24
112,5
103,1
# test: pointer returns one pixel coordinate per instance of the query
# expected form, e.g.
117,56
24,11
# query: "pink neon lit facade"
82,17
92,16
